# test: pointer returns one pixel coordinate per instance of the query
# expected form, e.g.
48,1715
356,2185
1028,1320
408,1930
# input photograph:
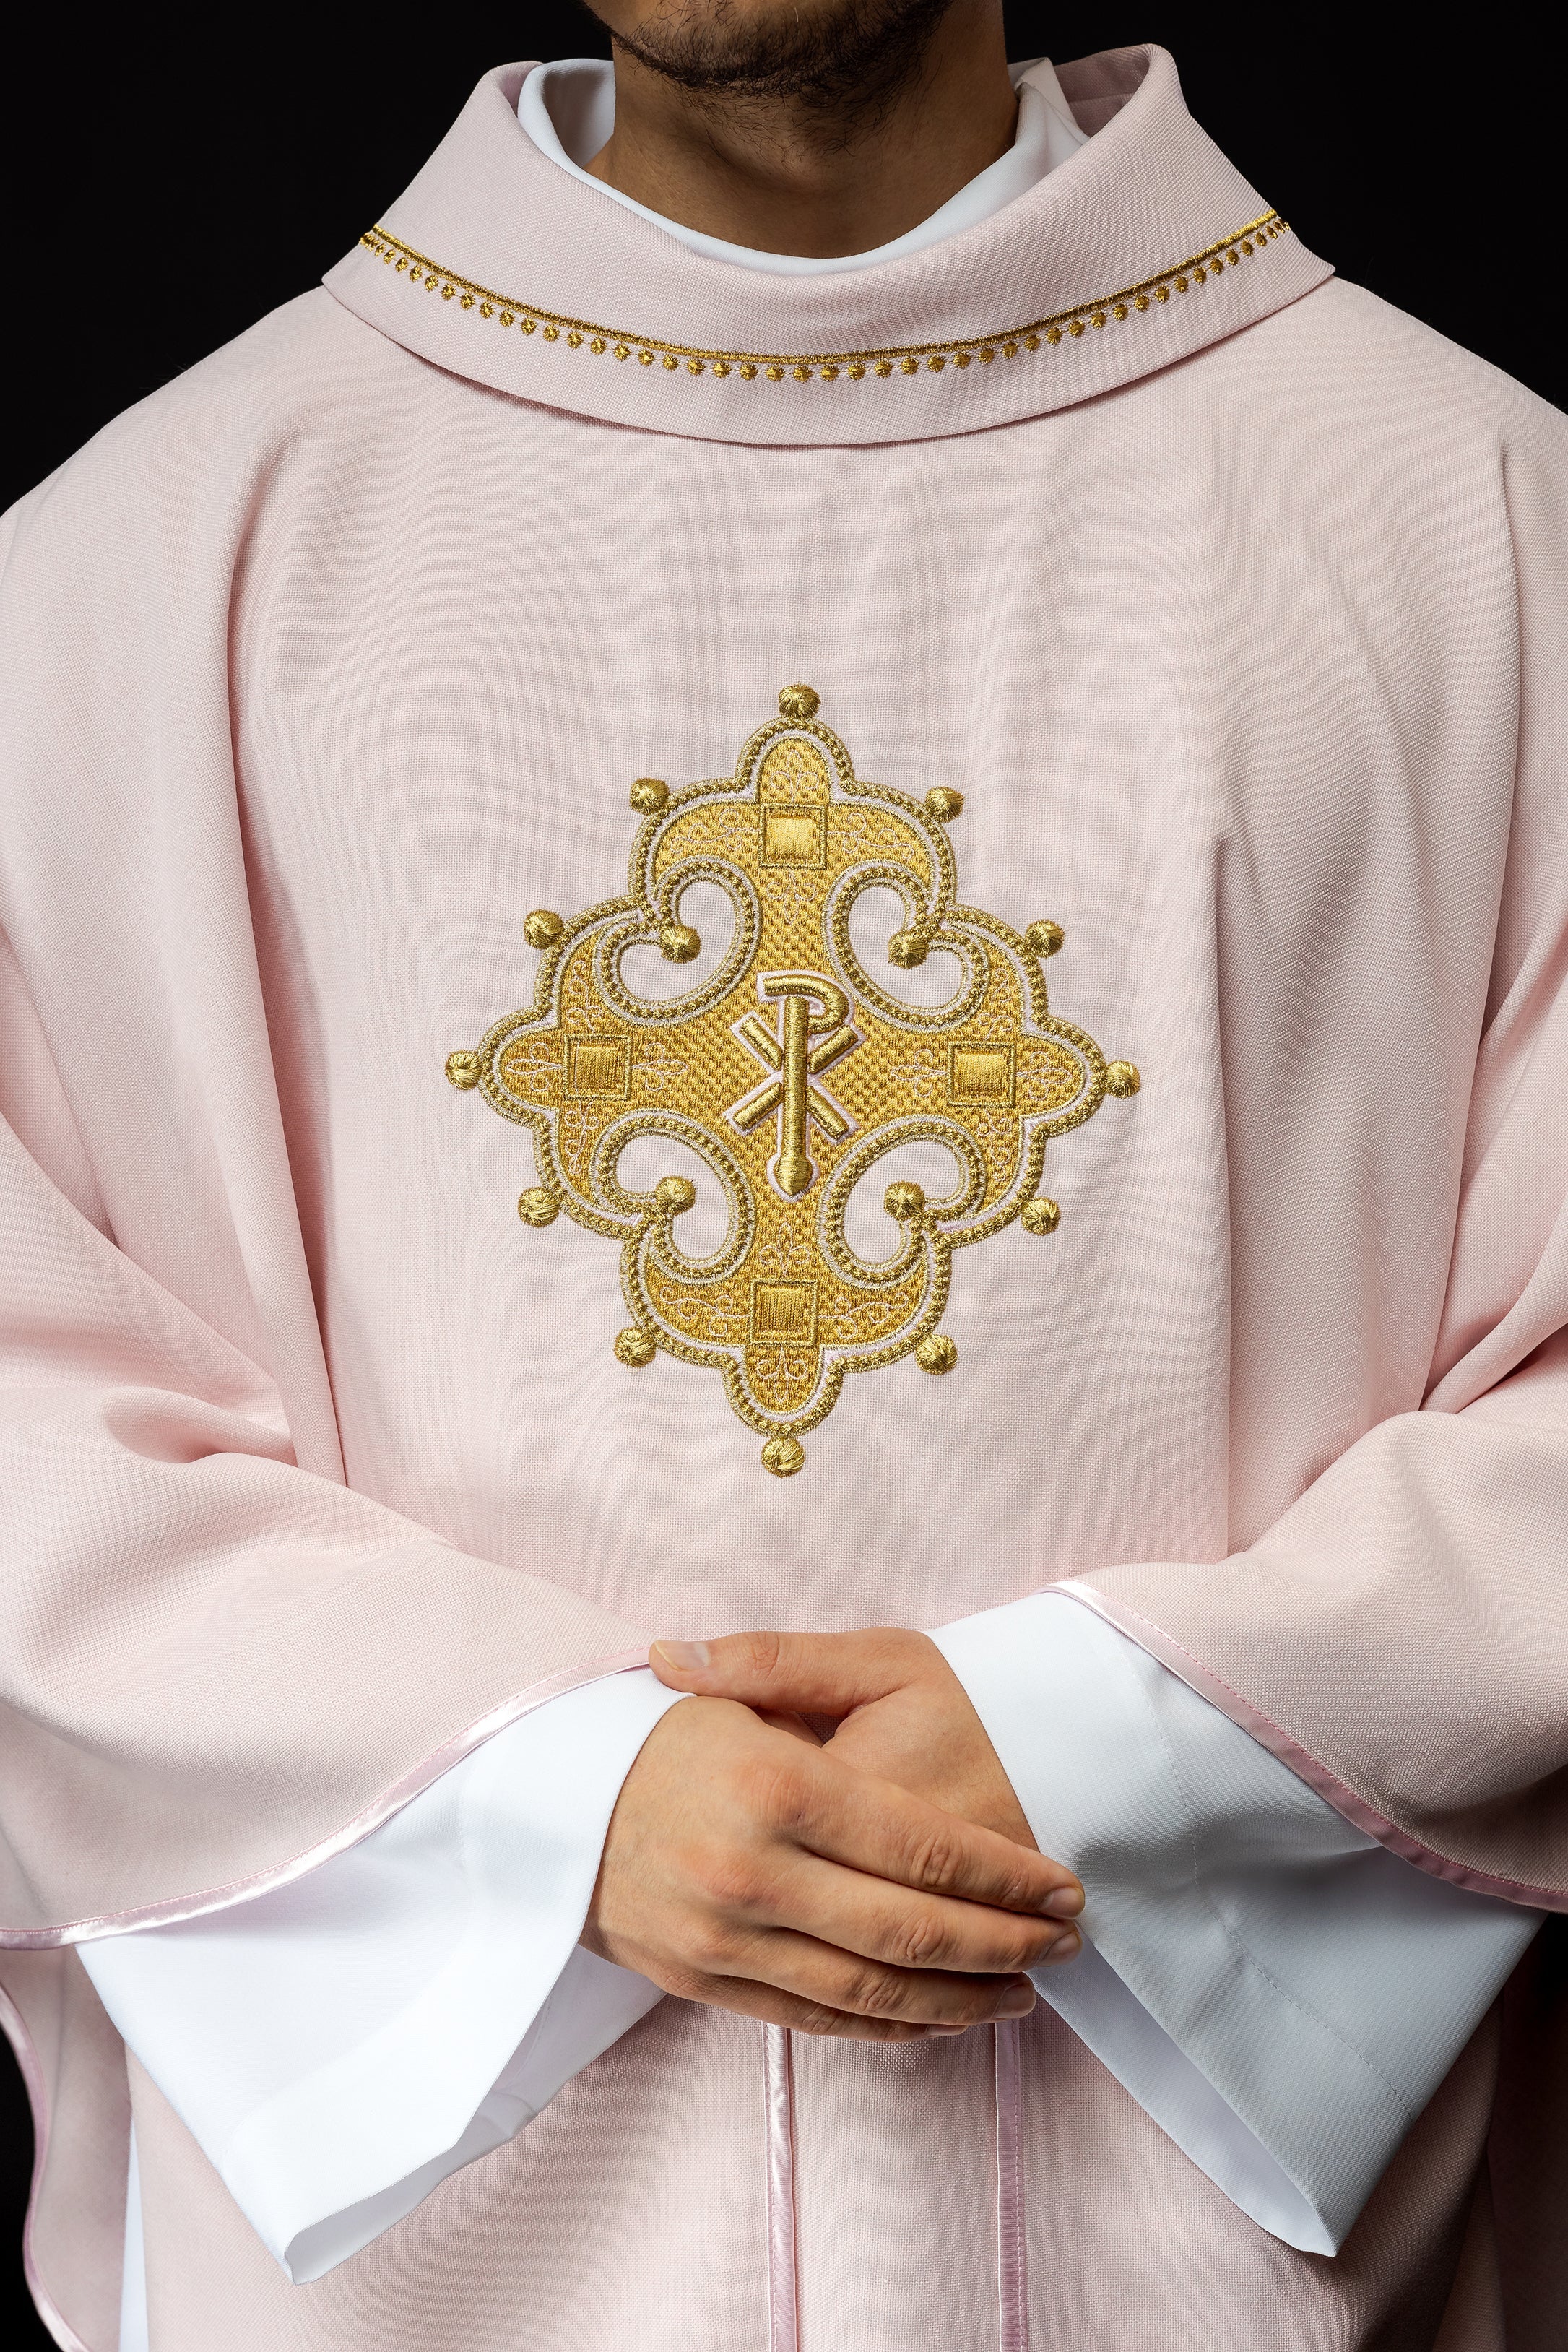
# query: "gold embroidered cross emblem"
786,1306
791,1094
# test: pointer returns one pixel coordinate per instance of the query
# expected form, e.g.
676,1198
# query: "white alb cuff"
1279,1993
340,2045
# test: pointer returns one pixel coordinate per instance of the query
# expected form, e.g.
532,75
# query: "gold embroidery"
936,1352
804,367
790,1074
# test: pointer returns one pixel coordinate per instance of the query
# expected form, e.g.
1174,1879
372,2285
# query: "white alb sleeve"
340,2045
1279,1993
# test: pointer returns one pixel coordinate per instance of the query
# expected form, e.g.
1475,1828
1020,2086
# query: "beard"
827,57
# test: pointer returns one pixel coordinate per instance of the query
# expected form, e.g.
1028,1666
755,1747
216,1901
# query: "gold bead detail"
1043,938
634,1347
798,703
538,1206
542,927
674,1193
936,1352
678,943
649,794
907,949
783,1456
944,804
462,1067
1042,1216
904,1202
1121,1079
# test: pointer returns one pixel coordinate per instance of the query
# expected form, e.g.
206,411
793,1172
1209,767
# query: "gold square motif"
791,837
596,1065
785,1312
980,1074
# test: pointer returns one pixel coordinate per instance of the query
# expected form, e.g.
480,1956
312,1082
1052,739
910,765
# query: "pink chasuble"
1063,726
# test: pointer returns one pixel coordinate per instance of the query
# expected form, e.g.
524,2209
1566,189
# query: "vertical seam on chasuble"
879,362
789,1071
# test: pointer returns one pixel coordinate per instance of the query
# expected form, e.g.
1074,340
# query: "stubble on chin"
823,55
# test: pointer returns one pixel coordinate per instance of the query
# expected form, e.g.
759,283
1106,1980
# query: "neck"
785,174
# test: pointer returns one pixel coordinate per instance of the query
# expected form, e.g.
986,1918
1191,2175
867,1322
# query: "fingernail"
1066,1948
684,1656
1065,1904
1016,2004
932,2029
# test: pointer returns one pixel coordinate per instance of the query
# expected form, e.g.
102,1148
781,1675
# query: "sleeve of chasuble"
218,1667
219,1662
1394,1645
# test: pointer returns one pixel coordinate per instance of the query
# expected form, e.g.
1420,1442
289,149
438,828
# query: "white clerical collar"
567,110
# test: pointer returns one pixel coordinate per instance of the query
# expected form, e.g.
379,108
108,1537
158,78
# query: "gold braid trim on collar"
885,361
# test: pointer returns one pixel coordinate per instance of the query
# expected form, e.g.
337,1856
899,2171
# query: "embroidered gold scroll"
790,1071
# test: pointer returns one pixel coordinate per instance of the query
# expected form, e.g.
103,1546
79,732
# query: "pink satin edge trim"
32,2074
779,2084
1012,2257
1355,1810
372,1817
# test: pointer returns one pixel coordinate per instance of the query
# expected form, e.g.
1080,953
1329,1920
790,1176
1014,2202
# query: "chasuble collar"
1140,249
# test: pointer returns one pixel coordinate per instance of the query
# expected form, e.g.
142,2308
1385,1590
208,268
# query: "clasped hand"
825,1837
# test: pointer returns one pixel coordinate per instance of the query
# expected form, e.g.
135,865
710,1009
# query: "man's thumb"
813,1674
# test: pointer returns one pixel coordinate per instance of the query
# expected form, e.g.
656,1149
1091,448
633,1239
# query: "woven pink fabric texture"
1236,621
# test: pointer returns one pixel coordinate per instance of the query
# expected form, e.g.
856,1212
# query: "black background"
165,193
